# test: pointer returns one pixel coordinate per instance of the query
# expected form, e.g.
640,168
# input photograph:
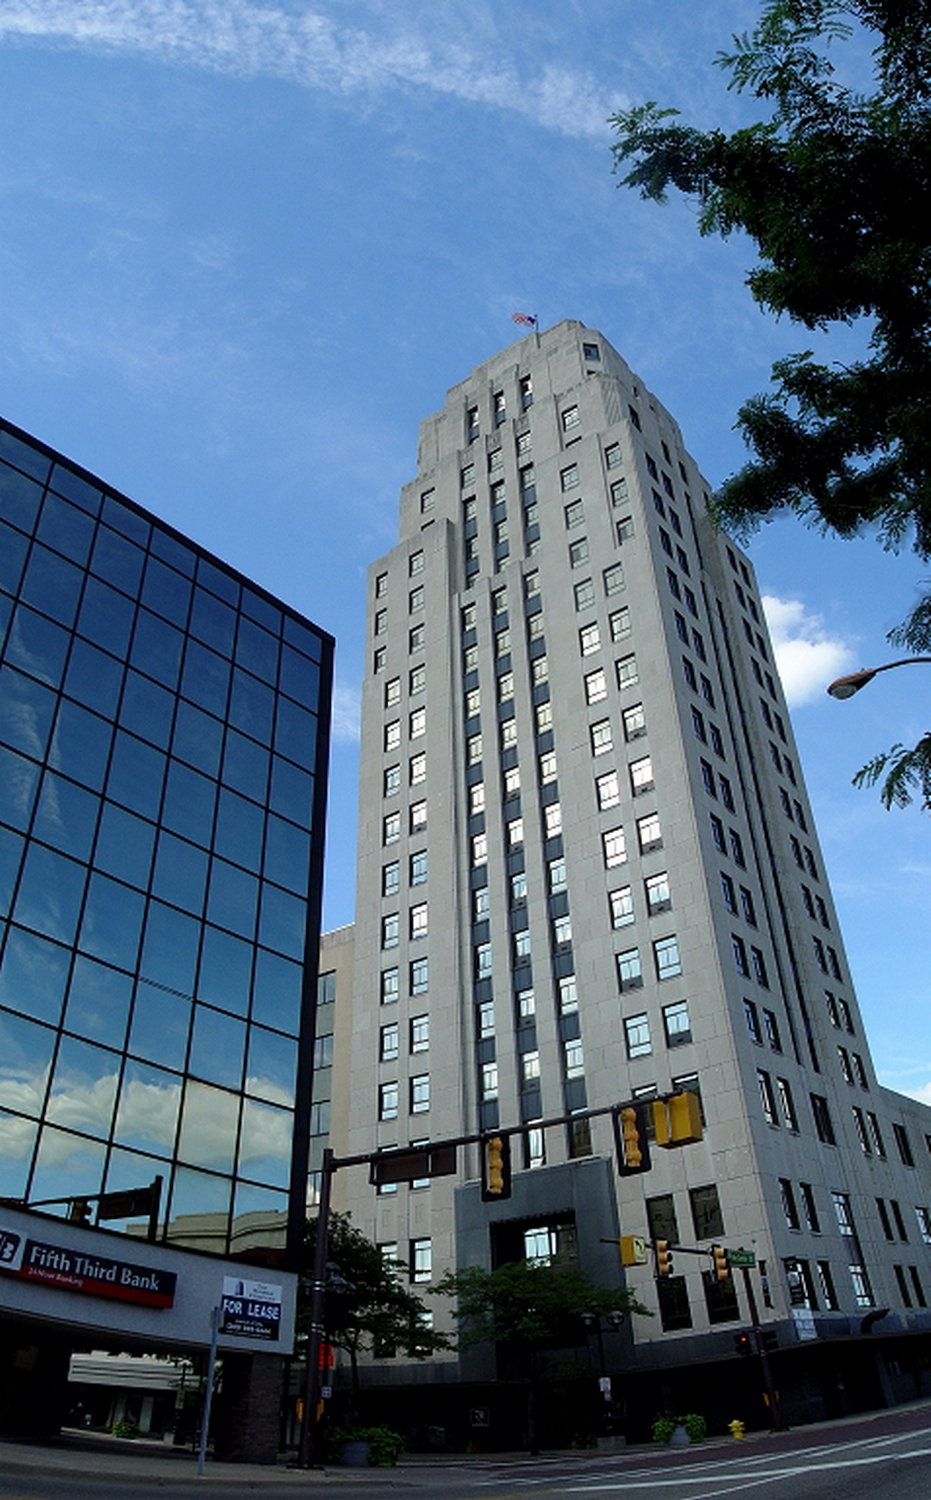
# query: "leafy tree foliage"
834,187
377,1311
522,1302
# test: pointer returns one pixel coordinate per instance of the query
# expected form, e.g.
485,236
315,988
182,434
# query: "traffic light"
677,1119
663,1251
743,1343
496,1168
630,1139
79,1211
719,1261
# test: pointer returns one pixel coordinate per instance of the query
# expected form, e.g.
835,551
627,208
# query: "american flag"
524,319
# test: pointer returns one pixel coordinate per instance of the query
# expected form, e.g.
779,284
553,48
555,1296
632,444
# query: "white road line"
685,1476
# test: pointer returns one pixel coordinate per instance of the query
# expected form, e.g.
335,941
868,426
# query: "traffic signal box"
633,1248
496,1168
720,1263
677,1119
630,1138
663,1252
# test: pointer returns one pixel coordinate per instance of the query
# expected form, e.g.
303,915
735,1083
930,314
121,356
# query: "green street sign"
741,1258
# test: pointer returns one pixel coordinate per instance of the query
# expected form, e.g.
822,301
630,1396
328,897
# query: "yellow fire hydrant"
736,1428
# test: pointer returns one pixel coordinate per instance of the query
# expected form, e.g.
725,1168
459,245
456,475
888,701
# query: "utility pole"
767,1373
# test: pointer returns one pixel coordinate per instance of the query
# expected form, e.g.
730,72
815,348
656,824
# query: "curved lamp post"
845,687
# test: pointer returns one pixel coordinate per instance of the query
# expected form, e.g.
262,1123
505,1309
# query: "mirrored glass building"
163,753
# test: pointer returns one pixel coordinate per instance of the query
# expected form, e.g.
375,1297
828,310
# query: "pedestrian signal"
630,1139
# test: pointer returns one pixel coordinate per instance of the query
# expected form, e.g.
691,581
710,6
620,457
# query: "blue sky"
245,247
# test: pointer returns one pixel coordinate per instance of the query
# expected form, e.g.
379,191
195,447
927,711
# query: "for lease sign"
78,1271
250,1309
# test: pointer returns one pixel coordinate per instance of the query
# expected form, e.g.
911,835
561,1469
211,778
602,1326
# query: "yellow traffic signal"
496,1168
719,1260
630,1139
677,1119
663,1251
79,1211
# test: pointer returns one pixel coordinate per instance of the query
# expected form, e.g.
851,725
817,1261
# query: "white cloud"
306,47
923,1094
807,655
347,707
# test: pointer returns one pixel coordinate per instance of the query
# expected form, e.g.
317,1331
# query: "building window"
578,552
787,1103
584,594
675,1312
602,741
556,875
419,976
658,893
418,867
388,1048
676,1024
388,1101
417,680
772,1031
809,1207
634,720
552,820
390,986
562,931
589,639
740,955
619,623
416,599
418,817
608,790
568,995
569,477
525,390
629,971
418,920
390,878
482,960
649,833
614,845
621,903
666,955
529,1069
392,781
706,1212
637,1036
574,513
521,943
903,1145
626,670
525,1000
573,1059
479,848
596,687
421,1260
824,1127
420,1094
862,1291
418,768
390,930
767,1097
486,1020
570,418
613,580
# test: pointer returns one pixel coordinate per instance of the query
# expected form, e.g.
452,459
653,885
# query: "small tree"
376,1310
529,1307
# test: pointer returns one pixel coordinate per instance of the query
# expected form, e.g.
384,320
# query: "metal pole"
208,1394
307,1455
761,1350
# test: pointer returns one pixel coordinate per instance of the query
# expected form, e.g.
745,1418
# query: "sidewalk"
115,1460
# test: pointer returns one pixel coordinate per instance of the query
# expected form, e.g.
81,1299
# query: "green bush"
385,1445
124,1430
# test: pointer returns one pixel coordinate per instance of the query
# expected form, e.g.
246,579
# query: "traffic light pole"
308,1452
771,1393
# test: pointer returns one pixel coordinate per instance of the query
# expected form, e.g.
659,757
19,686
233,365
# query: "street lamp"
845,687
591,1321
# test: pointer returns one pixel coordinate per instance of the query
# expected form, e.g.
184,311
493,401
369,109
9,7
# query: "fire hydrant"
736,1428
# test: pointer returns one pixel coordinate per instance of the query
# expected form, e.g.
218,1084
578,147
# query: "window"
392,692
393,734
415,599
418,768
924,1224
473,749
666,956
420,1033
390,878
388,1042
525,390
568,995
514,833
418,817
415,563
543,717
708,780
624,529
556,875
578,552
613,579
511,780
479,848
759,968
584,594
676,1024
621,904
573,1059
634,721
649,833
737,848
392,780
482,960
903,1145
569,477
786,1103
637,1036
772,1031
574,513
589,639
420,1094
508,733
547,767
495,460
552,820
421,1260
418,723
539,668
419,976
526,1005
390,986
388,1101
748,908
529,1069
809,1207
473,703
862,1291
767,1097
614,845
601,738
824,1127
657,893
485,1013
753,1021
698,724
390,931
629,972
417,680
608,790
875,1133
595,686
381,621
562,932
619,623
707,1218
379,659
570,418
842,1213
626,670
618,491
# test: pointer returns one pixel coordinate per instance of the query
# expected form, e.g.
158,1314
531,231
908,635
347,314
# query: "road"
886,1457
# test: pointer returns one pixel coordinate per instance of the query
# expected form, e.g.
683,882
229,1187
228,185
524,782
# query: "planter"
679,1437
355,1455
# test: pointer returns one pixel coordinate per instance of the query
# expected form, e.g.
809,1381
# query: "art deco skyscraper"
588,873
